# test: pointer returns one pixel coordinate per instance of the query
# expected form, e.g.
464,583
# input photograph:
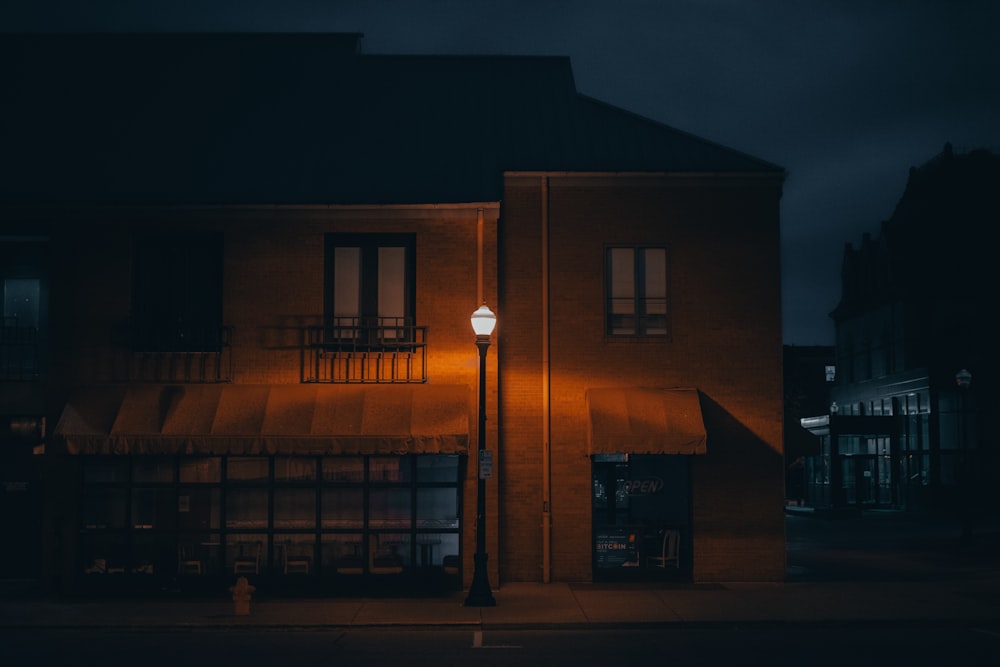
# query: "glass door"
615,539
641,516
867,480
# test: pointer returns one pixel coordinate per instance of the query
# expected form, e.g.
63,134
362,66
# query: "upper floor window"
21,297
370,289
637,289
177,293
22,331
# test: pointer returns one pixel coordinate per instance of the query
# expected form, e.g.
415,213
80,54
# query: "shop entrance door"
867,480
20,512
641,513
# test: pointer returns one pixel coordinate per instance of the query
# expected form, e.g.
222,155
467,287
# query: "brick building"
253,262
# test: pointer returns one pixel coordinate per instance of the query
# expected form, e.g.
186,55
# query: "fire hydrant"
241,596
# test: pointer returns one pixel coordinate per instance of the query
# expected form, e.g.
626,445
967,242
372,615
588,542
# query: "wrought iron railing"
208,363
363,350
20,351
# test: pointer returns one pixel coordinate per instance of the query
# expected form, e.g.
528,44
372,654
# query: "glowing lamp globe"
483,321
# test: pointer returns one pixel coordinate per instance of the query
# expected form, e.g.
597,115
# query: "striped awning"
266,419
639,420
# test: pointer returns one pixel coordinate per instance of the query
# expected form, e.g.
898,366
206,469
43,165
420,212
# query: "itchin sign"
615,549
644,486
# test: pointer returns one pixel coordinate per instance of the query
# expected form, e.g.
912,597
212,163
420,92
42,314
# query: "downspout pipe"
479,257
546,397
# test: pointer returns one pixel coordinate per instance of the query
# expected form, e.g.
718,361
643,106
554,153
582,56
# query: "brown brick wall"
726,339
522,437
273,287
726,342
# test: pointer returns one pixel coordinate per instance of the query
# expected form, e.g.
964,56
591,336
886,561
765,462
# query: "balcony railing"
20,351
207,364
356,350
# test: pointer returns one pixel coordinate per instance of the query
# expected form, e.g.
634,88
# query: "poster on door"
616,548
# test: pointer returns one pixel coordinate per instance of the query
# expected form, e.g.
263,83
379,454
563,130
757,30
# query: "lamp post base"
480,594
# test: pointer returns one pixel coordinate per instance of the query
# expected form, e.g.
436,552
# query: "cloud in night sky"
846,95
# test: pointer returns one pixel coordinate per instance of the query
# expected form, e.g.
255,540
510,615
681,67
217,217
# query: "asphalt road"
770,645
887,546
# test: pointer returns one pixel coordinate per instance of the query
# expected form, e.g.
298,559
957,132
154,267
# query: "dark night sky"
846,95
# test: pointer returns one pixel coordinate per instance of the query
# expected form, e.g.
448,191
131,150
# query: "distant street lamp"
483,322
963,379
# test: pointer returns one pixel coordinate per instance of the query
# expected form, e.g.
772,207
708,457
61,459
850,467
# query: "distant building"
809,372
239,273
910,413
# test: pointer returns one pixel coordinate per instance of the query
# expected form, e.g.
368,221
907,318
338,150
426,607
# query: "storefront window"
103,553
105,471
343,508
246,508
389,469
294,508
198,508
343,469
152,553
433,547
389,508
154,508
247,469
199,554
389,551
201,470
342,553
297,553
104,507
246,554
153,469
437,468
294,469
437,508
192,516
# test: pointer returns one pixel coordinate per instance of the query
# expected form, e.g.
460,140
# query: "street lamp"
963,379
483,322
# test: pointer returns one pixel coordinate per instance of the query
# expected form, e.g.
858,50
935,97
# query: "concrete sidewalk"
534,605
871,567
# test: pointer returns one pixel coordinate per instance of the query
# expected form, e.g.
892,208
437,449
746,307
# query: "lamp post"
483,322
963,379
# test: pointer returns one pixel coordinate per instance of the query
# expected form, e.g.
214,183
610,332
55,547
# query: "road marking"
477,641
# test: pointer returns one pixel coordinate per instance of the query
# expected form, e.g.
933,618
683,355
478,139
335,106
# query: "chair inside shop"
669,551
382,558
248,562
353,563
450,564
186,562
293,563
350,565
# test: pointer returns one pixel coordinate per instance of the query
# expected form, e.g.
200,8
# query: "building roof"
938,242
304,118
